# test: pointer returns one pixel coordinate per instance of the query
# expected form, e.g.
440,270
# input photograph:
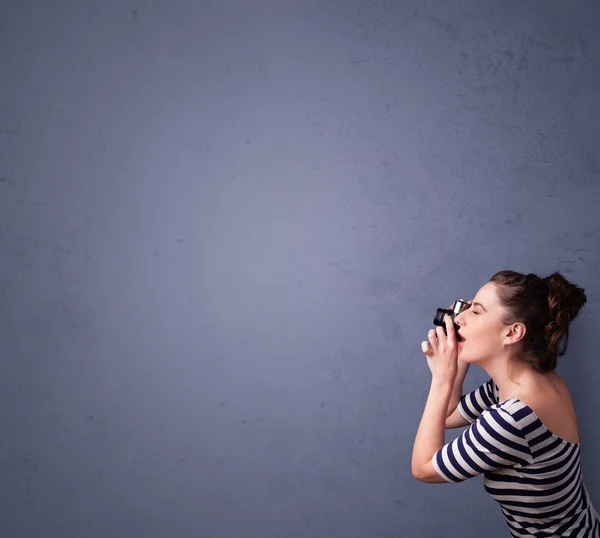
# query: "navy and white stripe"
472,405
534,475
494,441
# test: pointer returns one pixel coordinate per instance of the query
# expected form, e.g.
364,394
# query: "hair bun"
565,300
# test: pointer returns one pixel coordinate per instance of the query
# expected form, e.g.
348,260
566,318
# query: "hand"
442,352
462,365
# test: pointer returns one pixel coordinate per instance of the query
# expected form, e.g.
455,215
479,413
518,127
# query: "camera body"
457,307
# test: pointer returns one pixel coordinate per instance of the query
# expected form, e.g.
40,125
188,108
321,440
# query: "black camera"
457,308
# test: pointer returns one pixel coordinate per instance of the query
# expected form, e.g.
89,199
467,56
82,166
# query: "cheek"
486,336
483,336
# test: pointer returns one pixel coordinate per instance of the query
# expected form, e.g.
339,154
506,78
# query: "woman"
523,432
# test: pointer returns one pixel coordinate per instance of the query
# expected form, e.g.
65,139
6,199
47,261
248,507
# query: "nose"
458,319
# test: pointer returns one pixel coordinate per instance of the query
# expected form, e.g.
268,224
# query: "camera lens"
439,320
439,316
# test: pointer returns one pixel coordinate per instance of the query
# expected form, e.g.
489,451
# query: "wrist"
442,385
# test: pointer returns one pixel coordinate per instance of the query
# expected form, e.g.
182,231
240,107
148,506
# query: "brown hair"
546,306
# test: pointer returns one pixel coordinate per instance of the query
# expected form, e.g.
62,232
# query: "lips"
461,338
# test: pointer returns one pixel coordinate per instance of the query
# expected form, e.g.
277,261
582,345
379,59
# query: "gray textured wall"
225,227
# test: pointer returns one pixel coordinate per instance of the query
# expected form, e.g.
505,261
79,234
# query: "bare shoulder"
548,391
552,383
563,391
550,400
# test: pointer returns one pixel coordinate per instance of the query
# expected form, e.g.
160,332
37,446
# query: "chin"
464,357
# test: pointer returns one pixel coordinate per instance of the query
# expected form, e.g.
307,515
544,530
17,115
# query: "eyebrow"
478,304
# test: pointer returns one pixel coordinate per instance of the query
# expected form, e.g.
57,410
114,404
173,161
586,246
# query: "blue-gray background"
225,227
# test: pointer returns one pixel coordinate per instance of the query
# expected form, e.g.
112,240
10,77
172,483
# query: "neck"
511,376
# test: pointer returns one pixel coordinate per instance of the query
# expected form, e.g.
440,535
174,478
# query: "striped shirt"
534,475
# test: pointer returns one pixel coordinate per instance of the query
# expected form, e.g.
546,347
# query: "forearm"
430,435
457,390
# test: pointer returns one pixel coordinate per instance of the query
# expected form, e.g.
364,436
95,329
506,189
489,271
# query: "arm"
454,418
493,441
457,391
472,405
431,433
463,368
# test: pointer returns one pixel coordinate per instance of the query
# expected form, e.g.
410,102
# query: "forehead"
487,294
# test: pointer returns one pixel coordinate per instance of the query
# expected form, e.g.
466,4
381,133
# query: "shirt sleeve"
493,441
473,404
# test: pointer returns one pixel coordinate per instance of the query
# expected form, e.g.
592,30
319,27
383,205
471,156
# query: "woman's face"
481,327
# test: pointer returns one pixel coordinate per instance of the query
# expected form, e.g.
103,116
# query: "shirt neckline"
533,413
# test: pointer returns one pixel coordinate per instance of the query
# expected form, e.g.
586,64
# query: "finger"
426,347
433,339
450,329
440,333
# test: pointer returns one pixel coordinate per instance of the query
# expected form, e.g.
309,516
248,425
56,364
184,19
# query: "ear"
514,333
